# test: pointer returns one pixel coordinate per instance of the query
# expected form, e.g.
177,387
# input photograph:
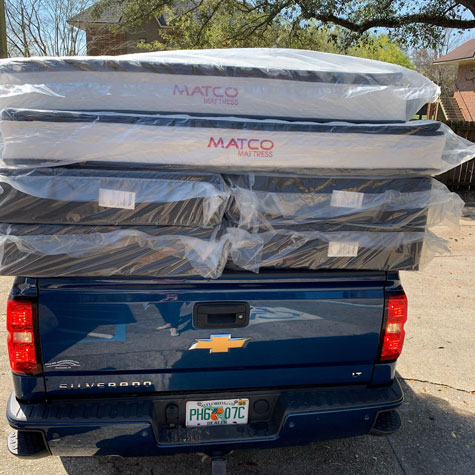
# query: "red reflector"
21,337
393,335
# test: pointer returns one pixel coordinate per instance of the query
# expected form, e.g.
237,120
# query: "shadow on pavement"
469,208
434,439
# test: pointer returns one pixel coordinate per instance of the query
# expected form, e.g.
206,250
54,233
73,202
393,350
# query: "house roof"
465,52
109,15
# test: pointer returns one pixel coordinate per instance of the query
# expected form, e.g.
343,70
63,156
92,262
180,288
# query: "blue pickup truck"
140,367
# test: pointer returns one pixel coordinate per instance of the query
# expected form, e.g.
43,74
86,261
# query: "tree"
3,32
412,22
381,48
443,75
191,30
40,28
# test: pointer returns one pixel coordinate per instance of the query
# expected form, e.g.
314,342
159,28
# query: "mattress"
112,197
391,204
243,82
222,143
55,251
291,249
99,251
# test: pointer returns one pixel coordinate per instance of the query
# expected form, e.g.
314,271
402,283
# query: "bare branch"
39,27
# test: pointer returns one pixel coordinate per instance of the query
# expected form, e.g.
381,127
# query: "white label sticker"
116,199
342,249
347,199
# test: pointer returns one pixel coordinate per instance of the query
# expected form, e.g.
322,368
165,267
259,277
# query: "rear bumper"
137,426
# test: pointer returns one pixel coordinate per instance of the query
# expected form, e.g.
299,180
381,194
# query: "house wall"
149,31
465,90
101,40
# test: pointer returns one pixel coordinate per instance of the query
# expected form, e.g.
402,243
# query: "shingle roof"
109,15
462,53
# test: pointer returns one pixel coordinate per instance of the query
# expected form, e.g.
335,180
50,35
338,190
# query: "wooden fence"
461,178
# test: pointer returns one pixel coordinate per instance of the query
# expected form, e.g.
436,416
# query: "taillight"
393,334
21,337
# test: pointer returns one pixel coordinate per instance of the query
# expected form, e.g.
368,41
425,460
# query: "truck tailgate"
139,335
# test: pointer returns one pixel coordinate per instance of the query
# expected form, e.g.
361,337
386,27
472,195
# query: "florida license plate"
218,412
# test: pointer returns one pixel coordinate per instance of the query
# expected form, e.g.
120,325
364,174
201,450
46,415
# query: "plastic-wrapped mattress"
244,82
42,137
313,250
54,251
49,250
315,202
112,197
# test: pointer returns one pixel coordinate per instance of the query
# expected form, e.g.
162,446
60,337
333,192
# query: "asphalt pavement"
436,370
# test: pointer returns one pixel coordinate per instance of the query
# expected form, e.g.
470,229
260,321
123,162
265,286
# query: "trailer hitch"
218,463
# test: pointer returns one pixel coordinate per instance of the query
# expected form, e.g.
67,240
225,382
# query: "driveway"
437,371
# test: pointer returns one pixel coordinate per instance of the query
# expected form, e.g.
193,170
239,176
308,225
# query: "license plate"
218,412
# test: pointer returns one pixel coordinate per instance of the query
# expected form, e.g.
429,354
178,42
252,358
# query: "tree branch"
417,18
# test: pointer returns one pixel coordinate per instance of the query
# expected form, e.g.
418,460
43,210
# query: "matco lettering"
211,94
245,147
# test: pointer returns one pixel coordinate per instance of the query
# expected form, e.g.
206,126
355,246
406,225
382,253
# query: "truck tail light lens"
393,333
21,337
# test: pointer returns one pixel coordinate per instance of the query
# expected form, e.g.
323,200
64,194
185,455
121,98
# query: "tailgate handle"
221,315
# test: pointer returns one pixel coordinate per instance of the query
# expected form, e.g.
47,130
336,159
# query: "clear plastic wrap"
47,250
41,138
245,82
313,250
112,197
385,204
54,251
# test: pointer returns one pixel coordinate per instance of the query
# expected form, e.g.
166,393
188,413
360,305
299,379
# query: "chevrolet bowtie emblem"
219,343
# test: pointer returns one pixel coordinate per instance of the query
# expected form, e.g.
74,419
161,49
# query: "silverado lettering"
112,384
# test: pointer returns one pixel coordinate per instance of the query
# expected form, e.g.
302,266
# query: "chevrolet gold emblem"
218,343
